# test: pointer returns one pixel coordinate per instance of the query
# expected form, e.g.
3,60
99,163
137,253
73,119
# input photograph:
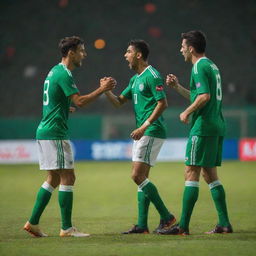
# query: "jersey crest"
141,87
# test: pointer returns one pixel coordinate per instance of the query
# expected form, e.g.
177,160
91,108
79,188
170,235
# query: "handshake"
107,83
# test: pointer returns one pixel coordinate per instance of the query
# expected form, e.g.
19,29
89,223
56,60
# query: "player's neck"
141,67
196,57
67,63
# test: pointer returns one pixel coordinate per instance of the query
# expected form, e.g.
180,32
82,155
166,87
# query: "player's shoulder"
202,64
133,78
61,71
153,73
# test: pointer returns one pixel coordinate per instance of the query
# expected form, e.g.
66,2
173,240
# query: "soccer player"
204,146
55,153
145,89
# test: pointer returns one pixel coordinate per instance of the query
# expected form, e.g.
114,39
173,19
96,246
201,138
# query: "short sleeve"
127,92
67,84
156,87
201,80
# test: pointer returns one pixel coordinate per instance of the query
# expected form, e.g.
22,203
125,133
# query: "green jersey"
58,86
208,120
145,90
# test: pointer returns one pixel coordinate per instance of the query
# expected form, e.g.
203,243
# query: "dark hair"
195,38
69,43
140,46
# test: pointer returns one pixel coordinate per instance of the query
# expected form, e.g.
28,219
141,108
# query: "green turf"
105,205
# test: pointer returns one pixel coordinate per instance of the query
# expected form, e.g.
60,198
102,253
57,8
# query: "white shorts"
55,154
146,149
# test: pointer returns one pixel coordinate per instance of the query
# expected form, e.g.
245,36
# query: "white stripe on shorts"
193,150
60,154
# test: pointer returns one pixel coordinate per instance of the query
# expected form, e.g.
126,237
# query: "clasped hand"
107,83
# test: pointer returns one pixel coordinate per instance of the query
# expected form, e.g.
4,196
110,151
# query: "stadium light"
150,8
99,44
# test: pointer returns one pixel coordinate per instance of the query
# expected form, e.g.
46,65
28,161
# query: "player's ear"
71,53
190,48
139,55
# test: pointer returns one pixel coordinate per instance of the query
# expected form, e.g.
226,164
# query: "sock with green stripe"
219,198
143,206
190,197
66,203
151,192
43,197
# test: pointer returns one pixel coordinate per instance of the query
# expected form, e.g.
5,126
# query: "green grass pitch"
105,204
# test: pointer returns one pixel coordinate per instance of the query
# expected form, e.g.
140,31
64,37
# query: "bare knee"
73,178
209,174
192,173
53,178
68,177
205,176
137,178
133,176
140,172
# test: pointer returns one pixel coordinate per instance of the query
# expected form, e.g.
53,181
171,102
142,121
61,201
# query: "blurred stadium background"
30,32
106,204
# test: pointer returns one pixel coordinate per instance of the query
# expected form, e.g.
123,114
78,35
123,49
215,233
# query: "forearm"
139,132
159,109
83,100
182,91
200,101
115,100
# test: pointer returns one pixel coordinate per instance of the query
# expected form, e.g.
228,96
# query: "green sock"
66,203
43,197
218,196
143,205
151,192
190,197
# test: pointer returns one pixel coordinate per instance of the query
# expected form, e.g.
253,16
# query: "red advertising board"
247,149
18,151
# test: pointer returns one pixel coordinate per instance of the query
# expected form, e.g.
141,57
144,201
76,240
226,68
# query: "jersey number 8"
46,95
218,88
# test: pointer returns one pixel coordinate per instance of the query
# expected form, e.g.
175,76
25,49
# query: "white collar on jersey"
62,65
144,70
200,59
